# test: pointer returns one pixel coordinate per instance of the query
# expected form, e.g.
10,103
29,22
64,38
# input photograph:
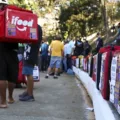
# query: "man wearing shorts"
8,71
56,48
30,60
8,68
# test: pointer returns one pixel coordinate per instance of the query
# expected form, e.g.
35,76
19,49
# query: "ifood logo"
17,21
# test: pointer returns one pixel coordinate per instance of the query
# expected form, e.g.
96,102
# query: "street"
55,99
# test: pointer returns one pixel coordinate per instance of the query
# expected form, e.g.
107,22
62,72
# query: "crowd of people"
9,66
57,56
54,59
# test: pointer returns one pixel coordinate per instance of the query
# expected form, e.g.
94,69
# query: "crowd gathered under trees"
76,46
58,54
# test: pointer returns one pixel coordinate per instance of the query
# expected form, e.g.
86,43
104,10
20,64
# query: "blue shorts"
55,62
27,70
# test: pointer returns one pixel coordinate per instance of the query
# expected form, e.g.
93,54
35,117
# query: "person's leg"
67,61
3,86
69,64
27,95
7,63
12,68
65,64
48,72
60,70
11,87
30,85
42,63
58,66
39,62
56,70
46,60
52,62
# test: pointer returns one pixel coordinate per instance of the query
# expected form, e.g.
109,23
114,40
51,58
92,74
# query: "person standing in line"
65,55
78,47
72,45
30,60
8,68
44,55
87,48
56,49
70,52
99,42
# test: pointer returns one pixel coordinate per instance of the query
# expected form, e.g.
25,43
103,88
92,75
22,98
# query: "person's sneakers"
27,98
23,94
55,77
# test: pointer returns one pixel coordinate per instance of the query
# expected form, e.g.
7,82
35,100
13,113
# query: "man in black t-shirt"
30,60
87,48
99,42
78,47
8,71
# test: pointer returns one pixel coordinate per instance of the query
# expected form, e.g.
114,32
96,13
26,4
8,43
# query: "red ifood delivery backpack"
18,25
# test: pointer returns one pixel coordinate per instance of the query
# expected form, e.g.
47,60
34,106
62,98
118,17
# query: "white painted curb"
101,107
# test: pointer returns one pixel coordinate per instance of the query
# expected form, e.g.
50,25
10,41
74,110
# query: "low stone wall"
101,108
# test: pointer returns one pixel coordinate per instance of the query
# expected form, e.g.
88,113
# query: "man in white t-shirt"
70,51
71,46
66,49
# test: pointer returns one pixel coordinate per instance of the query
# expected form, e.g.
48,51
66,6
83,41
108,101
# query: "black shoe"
46,76
55,77
27,98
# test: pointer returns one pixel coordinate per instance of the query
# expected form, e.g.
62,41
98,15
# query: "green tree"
81,17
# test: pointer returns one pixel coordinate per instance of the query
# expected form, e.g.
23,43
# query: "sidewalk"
56,99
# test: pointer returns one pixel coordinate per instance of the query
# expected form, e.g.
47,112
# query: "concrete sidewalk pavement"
55,99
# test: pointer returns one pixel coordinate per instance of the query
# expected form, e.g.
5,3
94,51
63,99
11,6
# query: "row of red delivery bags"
104,68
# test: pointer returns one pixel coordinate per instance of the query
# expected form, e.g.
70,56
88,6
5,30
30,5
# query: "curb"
101,106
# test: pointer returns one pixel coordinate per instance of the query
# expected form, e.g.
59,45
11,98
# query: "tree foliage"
40,7
81,17
77,17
